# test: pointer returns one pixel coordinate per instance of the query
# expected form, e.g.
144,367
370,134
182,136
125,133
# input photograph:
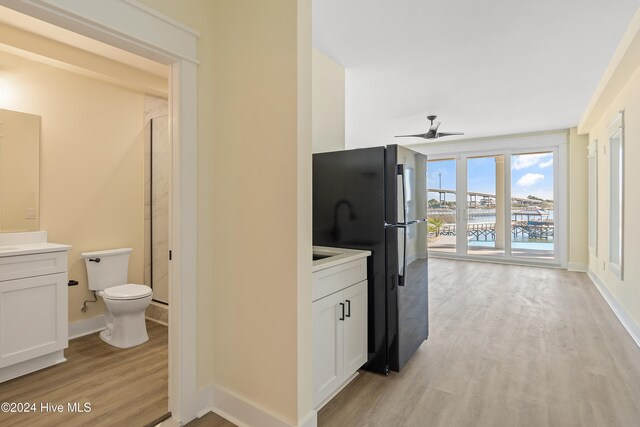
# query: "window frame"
616,196
593,197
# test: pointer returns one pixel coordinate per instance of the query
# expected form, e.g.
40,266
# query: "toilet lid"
128,291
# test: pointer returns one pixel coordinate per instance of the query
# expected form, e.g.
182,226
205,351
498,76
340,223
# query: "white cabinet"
355,328
340,339
328,343
33,312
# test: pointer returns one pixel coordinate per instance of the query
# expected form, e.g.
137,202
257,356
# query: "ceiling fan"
432,133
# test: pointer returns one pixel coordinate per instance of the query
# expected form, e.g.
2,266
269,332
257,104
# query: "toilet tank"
107,268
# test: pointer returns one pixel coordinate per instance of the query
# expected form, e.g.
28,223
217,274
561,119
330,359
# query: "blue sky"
530,174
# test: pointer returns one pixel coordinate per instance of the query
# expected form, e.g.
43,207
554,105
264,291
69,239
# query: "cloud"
529,179
547,163
524,161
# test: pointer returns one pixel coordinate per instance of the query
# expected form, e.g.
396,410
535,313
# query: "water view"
532,222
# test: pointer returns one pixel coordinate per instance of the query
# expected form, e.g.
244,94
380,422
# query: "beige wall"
618,90
19,171
626,292
578,201
91,164
252,217
328,103
61,55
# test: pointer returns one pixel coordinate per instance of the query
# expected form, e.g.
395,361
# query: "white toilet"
126,303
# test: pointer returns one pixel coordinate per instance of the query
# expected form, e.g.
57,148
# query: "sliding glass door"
442,205
485,215
494,205
532,206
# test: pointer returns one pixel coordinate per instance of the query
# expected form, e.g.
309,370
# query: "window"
616,190
593,198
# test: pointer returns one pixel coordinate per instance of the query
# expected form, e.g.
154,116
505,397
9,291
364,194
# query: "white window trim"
593,197
556,142
617,128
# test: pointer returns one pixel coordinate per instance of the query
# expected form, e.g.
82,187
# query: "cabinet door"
327,330
355,328
33,317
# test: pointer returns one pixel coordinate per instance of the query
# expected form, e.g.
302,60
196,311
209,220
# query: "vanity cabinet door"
355,328
33,317
328,338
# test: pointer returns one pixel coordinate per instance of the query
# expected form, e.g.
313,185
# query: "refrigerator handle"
401,277
404,193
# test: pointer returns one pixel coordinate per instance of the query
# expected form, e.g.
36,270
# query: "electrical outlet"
604,266
30,213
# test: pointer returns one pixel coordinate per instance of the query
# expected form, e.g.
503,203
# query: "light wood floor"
210,420
509,346
125,387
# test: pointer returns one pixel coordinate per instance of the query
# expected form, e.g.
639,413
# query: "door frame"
139,29
461,151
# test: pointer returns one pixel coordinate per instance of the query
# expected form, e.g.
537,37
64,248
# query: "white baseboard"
577,266
244,413
87,326
26,367
310,420
627,321
157,321
204,400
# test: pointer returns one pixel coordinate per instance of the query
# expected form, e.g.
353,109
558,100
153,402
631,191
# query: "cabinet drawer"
22,266
334,279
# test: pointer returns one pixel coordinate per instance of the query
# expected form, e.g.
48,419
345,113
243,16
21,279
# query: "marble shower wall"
157,166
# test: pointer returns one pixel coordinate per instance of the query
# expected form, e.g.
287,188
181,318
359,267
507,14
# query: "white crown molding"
123,23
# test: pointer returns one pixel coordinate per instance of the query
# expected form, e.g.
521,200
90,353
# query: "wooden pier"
487,230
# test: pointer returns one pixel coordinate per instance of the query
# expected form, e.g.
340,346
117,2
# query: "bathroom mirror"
19,172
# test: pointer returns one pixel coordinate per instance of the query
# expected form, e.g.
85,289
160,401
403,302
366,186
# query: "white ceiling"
486,68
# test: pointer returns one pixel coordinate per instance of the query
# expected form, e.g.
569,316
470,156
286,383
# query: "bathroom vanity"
33,303
339,304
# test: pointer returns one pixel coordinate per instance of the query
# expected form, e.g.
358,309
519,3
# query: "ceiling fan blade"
421,135
449,134
434,127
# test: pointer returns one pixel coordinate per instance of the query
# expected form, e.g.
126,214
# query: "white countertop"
31,248
337,256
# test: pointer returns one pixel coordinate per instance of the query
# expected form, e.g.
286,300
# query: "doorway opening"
154,36
99,25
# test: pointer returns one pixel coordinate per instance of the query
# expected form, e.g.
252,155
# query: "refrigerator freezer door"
411,190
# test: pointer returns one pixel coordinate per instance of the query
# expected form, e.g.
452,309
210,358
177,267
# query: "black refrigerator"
376,199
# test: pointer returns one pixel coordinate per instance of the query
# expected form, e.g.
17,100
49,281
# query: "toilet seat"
127,292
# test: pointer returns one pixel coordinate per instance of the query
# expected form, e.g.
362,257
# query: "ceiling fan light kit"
433,131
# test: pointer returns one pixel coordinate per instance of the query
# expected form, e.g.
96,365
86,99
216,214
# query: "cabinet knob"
348,309
342,308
